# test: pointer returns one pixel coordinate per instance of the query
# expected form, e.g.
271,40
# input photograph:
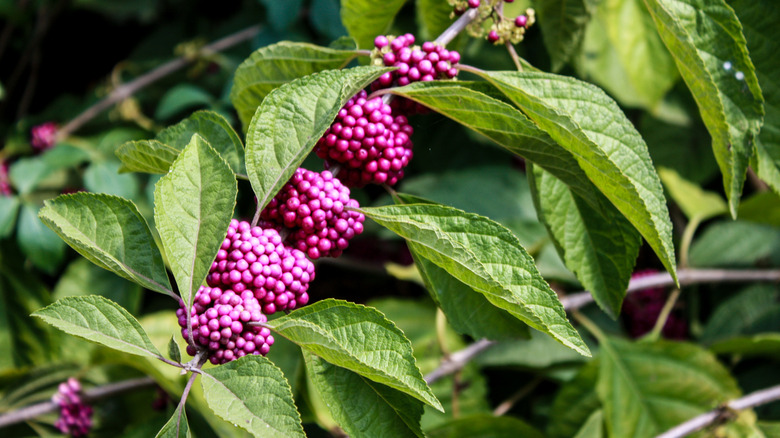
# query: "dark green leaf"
180,98
365,19
253,394
282,14
764,344
26,173
599,246
705,39
647,388
361,406
433,17
585,121
277,64
99,320
39,243
761,208
291,120
9,209
563,24
485,256
193,206
325,16
177,426
111,233
359,339
540,351
734,243
174,352
485,426
575,403
751,311
104,177
84,278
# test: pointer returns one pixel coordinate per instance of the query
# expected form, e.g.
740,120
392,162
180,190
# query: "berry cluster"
312,206
43,136
367,142
256,260
502,29
220,323
5,182
75,415
426,63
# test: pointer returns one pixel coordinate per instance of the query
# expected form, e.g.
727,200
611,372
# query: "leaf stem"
664,315
92,394
686,239
513,54
457,27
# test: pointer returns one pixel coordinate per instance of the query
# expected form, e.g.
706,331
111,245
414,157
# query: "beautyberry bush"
455,218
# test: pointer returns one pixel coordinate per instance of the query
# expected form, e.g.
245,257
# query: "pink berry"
43,136
521,21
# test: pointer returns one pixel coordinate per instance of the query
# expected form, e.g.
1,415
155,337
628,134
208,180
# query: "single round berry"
43,136
521,21
367,142
313,206
255,259
75,416
221,324
493,36
473,3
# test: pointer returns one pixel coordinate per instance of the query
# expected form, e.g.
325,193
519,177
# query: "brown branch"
753,399
124,91
90,395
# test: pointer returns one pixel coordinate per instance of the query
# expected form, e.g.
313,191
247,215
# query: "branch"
457,27
460,358
757,398
124,91
93,394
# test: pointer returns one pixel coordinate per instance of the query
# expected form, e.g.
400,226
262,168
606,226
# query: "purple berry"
43,136
222,327
75,415
5,181
521,21
473,4
493,36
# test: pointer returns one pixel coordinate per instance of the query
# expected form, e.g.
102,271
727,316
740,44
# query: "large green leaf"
758,19
150,156
177,426
485,256
623,53
585,121
599,246
705,39
111,233
361,406
193,205
359,339
292,119
99,320
476,106
277,64
563,24
38,243
253,394
365,19
485,426
695,202
647,388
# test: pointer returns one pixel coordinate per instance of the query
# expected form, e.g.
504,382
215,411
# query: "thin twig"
507,404
124,91
90,395
753,399
457,27
459,359
513,54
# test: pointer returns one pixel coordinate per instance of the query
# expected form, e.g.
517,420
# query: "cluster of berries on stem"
502,29
75,415
43,136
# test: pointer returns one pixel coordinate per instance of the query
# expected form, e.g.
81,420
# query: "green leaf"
575,403
692,200
758,19
193,205
253,394
563,25
181,97
325,16
647,388
705,39
734,243
599,246
9,209
751,311
150,156
763,344
623,53
174,352
359,339
485,256
585,121
433,17
540,351
104,177
37,242
771,429
476,106
215,130
361,406
761,208
26,173
291,120
277,64
99,320
177,426
485,426
282,15
593,427
101,282
365,19
111,233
